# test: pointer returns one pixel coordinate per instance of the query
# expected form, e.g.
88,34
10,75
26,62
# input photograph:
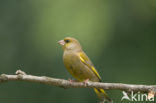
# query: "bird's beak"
61,42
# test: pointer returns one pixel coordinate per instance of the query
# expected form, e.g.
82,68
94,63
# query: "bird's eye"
67,41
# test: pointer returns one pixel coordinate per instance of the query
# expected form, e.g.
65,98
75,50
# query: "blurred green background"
118,36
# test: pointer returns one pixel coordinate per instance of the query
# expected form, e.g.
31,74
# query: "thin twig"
22,76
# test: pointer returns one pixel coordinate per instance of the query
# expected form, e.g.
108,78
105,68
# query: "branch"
22,76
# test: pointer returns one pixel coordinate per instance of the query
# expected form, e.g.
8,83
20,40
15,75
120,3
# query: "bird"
80,66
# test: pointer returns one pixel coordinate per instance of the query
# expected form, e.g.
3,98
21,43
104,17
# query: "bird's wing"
84,59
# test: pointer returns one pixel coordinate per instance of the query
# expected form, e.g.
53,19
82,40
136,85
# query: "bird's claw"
70,80
86,81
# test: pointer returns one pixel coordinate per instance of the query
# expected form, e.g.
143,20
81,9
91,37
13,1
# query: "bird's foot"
86,81
70,80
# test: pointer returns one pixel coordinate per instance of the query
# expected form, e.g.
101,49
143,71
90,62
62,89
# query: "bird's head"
69,44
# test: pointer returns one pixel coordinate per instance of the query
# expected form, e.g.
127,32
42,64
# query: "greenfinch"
80,66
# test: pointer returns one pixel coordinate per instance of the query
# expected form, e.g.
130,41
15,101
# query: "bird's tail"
102,95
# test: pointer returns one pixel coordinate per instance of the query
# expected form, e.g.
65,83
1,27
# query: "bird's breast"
77,68
71,60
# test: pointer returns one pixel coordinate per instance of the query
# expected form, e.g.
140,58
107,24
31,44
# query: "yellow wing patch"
87,62
94,70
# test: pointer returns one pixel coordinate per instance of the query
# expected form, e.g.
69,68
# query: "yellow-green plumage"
74,64
79,65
